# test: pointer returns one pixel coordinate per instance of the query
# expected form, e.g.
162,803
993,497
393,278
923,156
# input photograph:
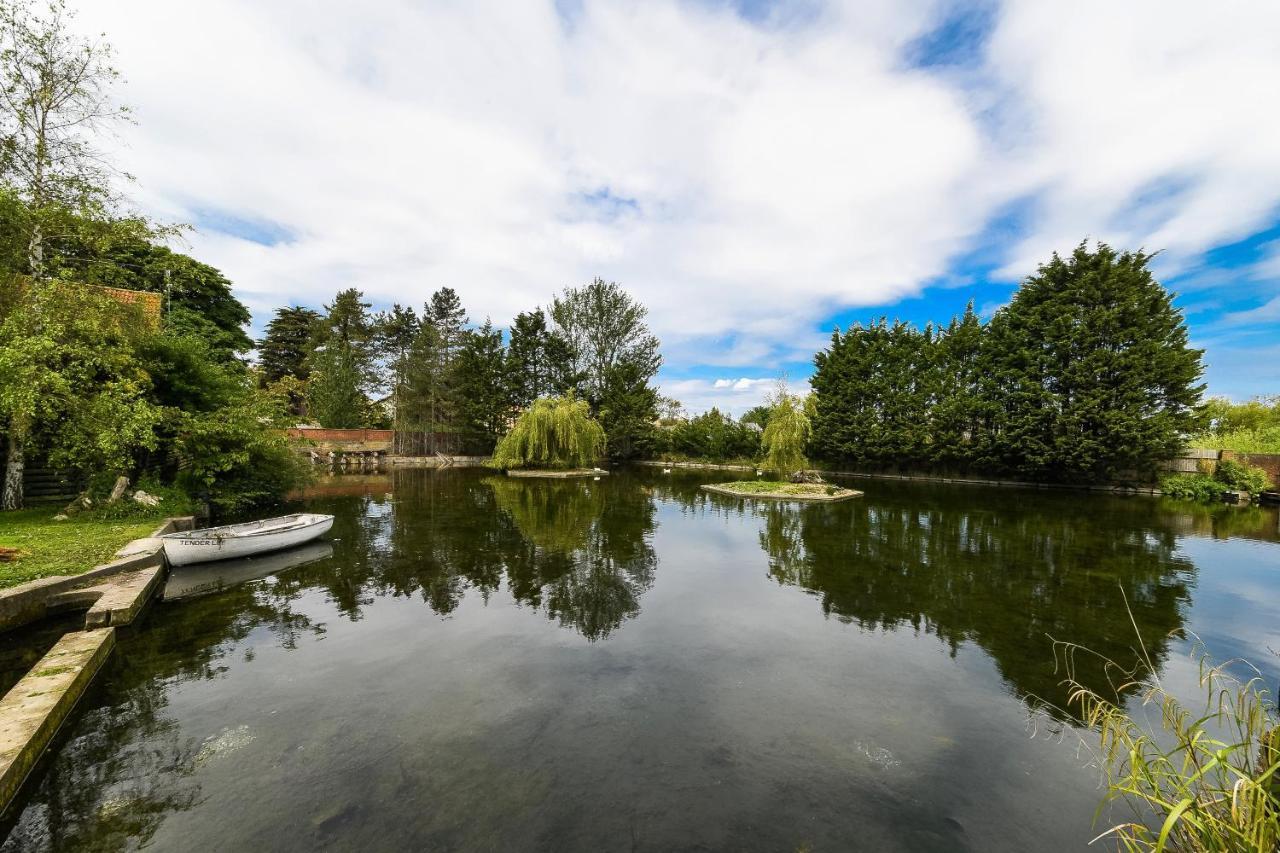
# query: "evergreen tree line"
1085,376
430,371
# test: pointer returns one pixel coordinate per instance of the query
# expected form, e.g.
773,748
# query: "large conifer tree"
1088,371
290,337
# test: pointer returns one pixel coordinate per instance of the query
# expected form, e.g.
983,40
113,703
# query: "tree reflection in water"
578,550
1007,577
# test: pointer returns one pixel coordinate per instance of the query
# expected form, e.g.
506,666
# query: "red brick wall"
353,435
1269,462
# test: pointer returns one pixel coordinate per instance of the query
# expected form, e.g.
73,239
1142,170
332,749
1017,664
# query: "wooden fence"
415,443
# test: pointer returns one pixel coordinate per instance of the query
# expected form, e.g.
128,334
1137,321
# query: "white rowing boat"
244,540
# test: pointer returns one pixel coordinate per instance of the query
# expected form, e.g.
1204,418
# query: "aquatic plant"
784,438
554,432
1204,779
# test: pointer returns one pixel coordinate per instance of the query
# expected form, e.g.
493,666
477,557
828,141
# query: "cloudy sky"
756,173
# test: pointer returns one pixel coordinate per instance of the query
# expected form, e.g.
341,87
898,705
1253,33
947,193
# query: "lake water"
480,663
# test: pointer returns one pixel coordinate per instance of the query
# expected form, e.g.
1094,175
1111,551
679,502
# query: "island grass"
778,487
47,547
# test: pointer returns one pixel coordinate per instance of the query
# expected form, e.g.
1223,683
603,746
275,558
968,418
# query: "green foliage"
1088,372
335,395
198,298
69,376
1250,427
290,338
1085,376
713,436
1208,773
1200,488
628,409
605,328
1264,440
539,360
556,432
57,93
235,456
785,437
874,385
174,501
484,404
1238,475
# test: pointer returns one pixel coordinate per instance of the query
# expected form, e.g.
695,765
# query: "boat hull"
184,549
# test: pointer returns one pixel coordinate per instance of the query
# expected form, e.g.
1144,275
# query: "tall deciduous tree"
1089,371
615,357
55,87
605,327
67,358
787,434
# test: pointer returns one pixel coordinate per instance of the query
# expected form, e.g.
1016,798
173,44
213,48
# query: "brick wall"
340,435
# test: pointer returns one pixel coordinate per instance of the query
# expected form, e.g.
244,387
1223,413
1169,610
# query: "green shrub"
1260,440
1193,487
1239,475
173,501
712,436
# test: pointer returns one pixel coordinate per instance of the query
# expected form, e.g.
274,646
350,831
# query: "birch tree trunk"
12,498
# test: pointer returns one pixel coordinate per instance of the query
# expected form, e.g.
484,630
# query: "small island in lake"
778,490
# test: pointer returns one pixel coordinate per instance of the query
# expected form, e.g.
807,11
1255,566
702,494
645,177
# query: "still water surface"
478,663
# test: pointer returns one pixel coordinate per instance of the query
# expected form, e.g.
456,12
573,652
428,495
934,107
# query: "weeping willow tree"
555,432
786,433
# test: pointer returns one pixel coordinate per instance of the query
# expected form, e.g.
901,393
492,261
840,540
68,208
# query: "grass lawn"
47,547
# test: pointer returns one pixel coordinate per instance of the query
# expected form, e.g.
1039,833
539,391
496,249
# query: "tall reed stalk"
1206,778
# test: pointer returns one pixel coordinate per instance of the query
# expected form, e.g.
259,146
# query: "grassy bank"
47,547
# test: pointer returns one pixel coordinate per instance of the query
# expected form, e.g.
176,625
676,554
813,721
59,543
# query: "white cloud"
744,181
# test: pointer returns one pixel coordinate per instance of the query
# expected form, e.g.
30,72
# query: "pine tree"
289,340
347,321
1088,370
628,411
527,366
446,316
394,334
484,400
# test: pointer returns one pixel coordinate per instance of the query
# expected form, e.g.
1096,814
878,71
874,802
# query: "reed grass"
1206,777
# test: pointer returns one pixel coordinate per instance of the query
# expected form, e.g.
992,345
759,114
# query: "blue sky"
756,173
